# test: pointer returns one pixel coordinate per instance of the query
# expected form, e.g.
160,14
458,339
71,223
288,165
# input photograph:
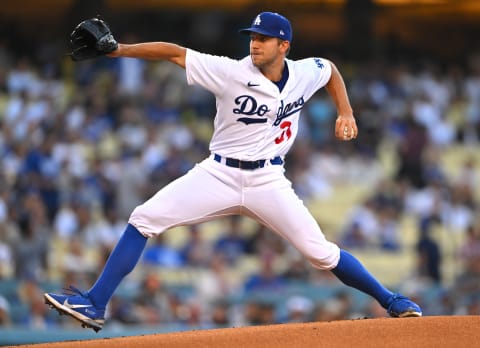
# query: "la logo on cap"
270,24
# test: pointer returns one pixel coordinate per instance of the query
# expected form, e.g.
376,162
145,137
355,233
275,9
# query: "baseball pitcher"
259,101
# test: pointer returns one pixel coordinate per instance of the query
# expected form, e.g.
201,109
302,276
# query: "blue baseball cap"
270,24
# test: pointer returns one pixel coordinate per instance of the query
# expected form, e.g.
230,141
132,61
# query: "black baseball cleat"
79,306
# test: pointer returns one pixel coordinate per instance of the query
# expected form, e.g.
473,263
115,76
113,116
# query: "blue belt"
250,165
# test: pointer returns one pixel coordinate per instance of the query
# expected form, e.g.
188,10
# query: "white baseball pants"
211,190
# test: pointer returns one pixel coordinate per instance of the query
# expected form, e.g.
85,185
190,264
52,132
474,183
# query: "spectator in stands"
29,295
469,251
77,260
65,222
410,151
266,279
113,227
321,117
122,312
131,183
298,270
458,213
330,311
389,194
130,72
197,251
388,228
429,256
161,254
174,164
299,309
31,251
263,242
216,282
152,301
362,227
232,244
220,316
267,313
251,313
38,316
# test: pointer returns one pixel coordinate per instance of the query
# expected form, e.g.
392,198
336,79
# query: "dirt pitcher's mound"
437,332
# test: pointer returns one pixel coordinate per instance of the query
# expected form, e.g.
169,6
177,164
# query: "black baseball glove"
90,39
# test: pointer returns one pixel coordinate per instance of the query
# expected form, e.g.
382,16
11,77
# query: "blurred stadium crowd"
81,145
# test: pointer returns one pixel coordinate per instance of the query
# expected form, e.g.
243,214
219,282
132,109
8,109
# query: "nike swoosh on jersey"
72,306
251,84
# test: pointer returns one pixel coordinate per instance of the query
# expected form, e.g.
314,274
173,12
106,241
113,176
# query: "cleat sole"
86,323
410,315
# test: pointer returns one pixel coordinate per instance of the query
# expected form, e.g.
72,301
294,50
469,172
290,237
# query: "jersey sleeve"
208,71
321,71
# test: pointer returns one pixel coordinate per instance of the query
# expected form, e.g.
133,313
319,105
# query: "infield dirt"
435,331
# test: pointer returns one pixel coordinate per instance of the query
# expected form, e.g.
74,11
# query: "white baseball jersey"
254,119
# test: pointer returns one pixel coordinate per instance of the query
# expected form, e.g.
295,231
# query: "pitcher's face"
266,50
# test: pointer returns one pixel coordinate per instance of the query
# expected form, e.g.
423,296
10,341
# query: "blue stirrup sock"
352,273
121,262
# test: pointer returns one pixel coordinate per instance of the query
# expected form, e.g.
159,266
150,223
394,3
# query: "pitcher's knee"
144,222
325,258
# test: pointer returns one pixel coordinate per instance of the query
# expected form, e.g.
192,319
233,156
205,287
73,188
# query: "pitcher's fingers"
340,128
354,132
